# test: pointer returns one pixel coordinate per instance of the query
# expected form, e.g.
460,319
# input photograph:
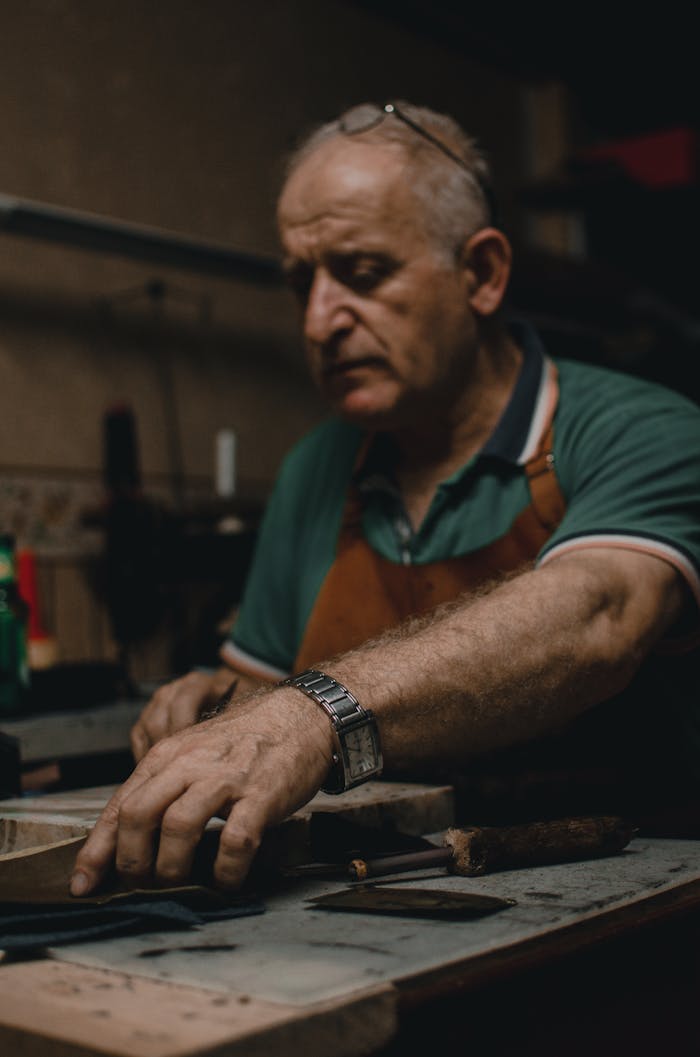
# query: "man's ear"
486,259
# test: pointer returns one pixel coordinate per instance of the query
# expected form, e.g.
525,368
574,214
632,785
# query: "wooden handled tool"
478,850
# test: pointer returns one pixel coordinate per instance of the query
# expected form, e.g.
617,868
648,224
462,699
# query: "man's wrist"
357,754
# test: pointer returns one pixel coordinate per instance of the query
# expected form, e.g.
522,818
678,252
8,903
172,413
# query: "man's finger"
153,724
140,816
97,855
140,741
239,841
186,706
183,825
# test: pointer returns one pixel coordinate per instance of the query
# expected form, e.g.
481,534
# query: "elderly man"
538,524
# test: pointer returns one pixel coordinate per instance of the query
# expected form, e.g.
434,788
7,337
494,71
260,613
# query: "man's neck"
433,450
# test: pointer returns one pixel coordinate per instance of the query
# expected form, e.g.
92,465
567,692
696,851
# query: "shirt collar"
510,439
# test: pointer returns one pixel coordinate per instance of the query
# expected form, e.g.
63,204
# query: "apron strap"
547,498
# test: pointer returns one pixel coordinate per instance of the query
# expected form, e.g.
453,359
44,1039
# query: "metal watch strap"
345,713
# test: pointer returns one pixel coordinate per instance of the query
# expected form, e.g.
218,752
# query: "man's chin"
370,414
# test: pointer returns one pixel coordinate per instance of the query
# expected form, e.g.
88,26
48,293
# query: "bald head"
345,178
446,173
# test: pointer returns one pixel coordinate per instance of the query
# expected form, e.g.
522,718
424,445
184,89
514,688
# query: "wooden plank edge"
52,1009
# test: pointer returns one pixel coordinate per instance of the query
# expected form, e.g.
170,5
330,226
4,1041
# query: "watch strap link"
344,711
331,695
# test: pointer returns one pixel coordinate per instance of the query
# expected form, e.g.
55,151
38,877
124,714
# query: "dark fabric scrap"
26,926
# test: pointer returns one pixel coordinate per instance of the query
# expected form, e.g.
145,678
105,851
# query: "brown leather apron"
364,594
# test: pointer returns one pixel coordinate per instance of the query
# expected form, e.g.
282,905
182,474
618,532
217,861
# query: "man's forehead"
347,180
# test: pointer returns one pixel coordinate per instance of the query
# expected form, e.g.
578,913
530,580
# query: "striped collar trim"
532,404
545,406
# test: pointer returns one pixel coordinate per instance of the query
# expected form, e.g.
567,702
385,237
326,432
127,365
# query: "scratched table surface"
300,979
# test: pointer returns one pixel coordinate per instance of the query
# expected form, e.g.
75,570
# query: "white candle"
225,463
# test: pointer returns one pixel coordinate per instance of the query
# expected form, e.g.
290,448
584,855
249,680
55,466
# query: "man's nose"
327,312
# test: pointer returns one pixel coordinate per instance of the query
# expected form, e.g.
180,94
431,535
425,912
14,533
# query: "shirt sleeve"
261,643
295,548
629,466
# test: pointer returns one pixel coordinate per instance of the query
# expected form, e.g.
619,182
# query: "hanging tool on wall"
156,295
137,531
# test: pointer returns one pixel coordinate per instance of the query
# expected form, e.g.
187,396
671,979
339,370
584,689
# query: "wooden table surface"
301,980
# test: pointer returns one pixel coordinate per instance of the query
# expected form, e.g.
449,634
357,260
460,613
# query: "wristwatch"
359,756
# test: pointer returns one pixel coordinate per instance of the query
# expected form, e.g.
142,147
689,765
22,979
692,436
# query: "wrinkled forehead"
352,180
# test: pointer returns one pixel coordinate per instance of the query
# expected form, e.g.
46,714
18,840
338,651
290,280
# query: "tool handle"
479,850
361,869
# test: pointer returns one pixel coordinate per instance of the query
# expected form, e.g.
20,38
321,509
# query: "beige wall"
175,114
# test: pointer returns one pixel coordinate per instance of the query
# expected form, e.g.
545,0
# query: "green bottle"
14,670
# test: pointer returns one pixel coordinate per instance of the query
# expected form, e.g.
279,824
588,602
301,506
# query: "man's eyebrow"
365,254
347,260
348,253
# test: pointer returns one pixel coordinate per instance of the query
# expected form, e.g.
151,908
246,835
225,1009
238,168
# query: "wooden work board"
298,980
404,807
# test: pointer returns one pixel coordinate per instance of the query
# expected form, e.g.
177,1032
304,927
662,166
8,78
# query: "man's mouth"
344,368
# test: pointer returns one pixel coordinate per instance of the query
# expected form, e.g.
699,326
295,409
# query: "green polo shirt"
627,457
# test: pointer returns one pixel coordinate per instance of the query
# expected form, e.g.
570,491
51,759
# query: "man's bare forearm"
516,663
478,675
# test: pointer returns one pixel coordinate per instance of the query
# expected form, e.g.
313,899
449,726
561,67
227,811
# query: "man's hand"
179,704
253,767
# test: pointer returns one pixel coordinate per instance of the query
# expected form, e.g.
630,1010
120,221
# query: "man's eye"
366,277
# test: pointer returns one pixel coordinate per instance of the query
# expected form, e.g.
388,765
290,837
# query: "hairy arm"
518,662
477,675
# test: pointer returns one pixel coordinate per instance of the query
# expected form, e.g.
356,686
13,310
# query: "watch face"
361,752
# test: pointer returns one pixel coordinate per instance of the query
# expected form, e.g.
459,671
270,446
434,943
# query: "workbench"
300,980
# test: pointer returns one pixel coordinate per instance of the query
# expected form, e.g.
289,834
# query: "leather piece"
37,909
